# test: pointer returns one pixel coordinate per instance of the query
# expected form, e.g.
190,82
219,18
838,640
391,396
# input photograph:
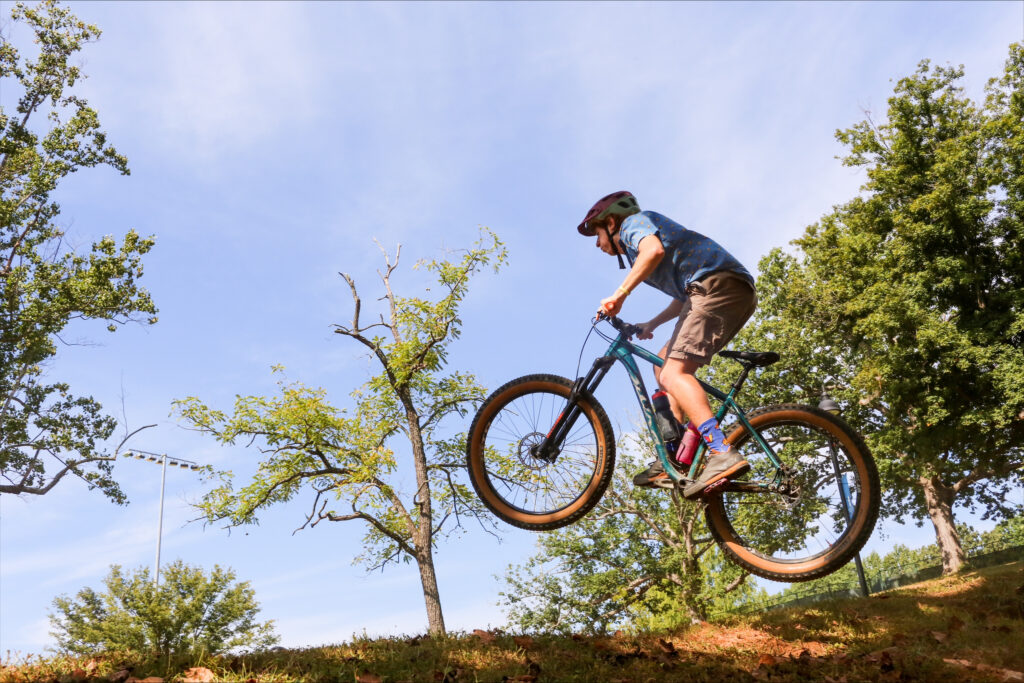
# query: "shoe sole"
656,482
736,470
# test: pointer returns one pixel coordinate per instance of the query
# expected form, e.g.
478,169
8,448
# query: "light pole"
830,406
163,460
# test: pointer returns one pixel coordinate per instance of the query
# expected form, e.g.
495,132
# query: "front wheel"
810,518
512,480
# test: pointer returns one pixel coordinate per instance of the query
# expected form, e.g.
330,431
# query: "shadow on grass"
963,627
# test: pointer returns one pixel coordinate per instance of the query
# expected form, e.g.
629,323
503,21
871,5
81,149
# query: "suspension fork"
550,448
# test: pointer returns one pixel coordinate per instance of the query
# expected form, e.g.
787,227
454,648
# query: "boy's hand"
646,330
612,305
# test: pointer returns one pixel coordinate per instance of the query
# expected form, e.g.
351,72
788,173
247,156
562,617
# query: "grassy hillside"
965,627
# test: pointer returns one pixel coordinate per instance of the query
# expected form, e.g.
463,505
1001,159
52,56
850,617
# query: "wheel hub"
529,452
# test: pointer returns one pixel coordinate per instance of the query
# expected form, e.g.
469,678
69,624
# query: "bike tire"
815,534
518,415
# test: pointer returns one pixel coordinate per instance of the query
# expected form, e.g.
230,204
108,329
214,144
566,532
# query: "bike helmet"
616,204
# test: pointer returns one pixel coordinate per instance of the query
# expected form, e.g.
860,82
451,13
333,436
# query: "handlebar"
627,329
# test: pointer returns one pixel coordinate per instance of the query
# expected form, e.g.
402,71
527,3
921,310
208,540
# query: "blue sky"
271,143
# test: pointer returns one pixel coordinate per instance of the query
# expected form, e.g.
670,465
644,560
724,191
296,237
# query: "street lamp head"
828,405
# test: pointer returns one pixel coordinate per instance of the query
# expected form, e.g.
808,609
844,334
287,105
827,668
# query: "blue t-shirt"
689,255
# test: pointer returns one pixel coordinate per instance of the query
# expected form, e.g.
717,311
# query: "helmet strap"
615,246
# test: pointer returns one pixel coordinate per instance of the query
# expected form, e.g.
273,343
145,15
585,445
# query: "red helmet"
616,204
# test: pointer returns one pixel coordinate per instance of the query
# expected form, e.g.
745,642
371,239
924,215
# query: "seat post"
743,376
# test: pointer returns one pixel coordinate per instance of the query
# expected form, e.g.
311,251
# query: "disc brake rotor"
529,446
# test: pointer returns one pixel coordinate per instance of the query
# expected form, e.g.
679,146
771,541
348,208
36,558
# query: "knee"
676,373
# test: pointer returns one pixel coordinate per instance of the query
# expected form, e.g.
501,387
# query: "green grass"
964,627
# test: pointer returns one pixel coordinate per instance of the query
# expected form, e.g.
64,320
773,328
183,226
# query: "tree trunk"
422,535
939,500
431,596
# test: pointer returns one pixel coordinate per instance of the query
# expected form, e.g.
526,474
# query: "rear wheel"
521,488
812,518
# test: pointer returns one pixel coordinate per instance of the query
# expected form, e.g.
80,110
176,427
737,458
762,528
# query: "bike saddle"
759,358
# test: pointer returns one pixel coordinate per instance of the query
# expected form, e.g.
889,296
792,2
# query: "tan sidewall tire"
603,468
864,518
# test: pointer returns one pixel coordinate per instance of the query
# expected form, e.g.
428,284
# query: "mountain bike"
541,452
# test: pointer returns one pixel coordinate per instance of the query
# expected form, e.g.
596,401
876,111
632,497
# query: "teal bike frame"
624,351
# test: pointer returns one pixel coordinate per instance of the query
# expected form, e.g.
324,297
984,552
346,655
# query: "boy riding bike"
713,296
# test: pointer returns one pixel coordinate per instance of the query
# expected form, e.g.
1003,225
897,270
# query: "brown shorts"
718,306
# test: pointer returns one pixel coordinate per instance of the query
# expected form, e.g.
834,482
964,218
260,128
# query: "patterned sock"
713,436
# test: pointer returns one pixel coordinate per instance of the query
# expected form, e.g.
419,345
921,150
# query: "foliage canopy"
907,302
46,432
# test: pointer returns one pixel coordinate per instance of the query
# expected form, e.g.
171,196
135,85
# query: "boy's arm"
649,254
671,311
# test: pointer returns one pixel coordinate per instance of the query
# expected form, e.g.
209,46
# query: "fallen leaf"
1005,674
939,636
525,642
766,660
484,635
91,665
886,663
958,662
198,674
667,646
367,677
152,679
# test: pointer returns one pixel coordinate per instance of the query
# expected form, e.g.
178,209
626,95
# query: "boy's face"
604,237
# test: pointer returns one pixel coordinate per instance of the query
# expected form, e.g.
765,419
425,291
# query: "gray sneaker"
725,465
654,476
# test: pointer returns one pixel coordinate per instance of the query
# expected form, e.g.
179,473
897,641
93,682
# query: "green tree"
344,458
45,431
906,303
1006,534
189,613
642,558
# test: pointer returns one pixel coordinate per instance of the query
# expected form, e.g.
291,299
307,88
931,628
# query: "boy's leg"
719,306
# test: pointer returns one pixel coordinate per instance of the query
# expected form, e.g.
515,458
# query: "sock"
713,436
